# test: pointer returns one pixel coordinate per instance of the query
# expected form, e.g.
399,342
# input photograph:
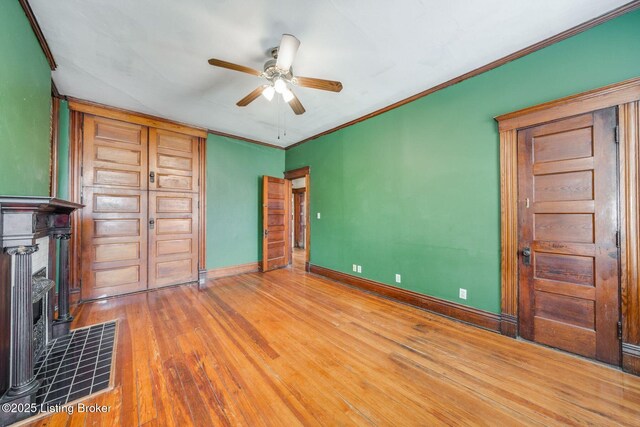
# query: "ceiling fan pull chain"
278,115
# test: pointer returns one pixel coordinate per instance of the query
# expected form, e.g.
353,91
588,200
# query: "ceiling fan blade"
287,51
296,105
251,97
321,84
234,67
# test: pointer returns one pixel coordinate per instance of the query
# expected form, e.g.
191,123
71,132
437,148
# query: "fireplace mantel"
26,224
25,219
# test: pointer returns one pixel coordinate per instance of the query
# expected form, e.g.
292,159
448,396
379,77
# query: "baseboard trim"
509,325
233,270
473,316
631,358
74,296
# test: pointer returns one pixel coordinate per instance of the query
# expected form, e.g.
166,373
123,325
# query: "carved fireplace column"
23,381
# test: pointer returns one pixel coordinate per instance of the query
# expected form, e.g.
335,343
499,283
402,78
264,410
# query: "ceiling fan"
279,75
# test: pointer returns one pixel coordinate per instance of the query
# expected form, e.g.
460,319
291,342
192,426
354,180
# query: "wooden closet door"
173,238
173,161
173,208
114,220
114,154
569,284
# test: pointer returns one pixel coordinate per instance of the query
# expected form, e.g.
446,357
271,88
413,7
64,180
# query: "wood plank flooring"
287,348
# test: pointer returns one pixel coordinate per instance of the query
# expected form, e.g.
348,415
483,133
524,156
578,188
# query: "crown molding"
629,7
38,33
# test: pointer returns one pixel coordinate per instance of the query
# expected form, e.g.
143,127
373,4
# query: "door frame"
78,108
626,96
304,172
295,191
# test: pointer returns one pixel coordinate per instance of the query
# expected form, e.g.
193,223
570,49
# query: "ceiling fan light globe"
268,92
287,95
279,85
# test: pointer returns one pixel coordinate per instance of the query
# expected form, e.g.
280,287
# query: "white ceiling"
151,56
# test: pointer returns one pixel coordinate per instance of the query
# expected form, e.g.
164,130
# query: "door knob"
526,256
152,223
152,176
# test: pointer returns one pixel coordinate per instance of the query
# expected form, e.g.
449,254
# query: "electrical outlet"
359,269
318,215
463,293
355,267
398,278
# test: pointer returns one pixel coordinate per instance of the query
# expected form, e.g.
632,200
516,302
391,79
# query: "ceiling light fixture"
280,85
268,92
287,95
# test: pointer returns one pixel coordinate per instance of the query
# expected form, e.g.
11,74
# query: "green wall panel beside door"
234,199
25,106
63,150
415,191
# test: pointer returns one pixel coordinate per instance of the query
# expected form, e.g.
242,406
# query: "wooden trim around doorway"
304,172
202,213
626,96
75,188
629,154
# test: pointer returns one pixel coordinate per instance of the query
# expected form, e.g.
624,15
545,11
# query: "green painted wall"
25,106
234,199
415,191
63,151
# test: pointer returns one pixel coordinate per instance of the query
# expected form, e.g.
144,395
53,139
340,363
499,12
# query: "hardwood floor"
297,260
288,348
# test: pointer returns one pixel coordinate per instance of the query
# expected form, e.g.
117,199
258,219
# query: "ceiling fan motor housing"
271,72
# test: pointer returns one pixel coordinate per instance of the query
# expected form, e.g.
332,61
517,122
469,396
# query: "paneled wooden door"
276,220
173,238
140,222
568,263
114,219
173,208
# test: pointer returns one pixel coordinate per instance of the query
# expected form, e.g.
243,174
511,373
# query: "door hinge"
617,239
616,131
619,330
81,170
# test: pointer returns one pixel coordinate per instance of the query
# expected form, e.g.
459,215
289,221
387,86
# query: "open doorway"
300,226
